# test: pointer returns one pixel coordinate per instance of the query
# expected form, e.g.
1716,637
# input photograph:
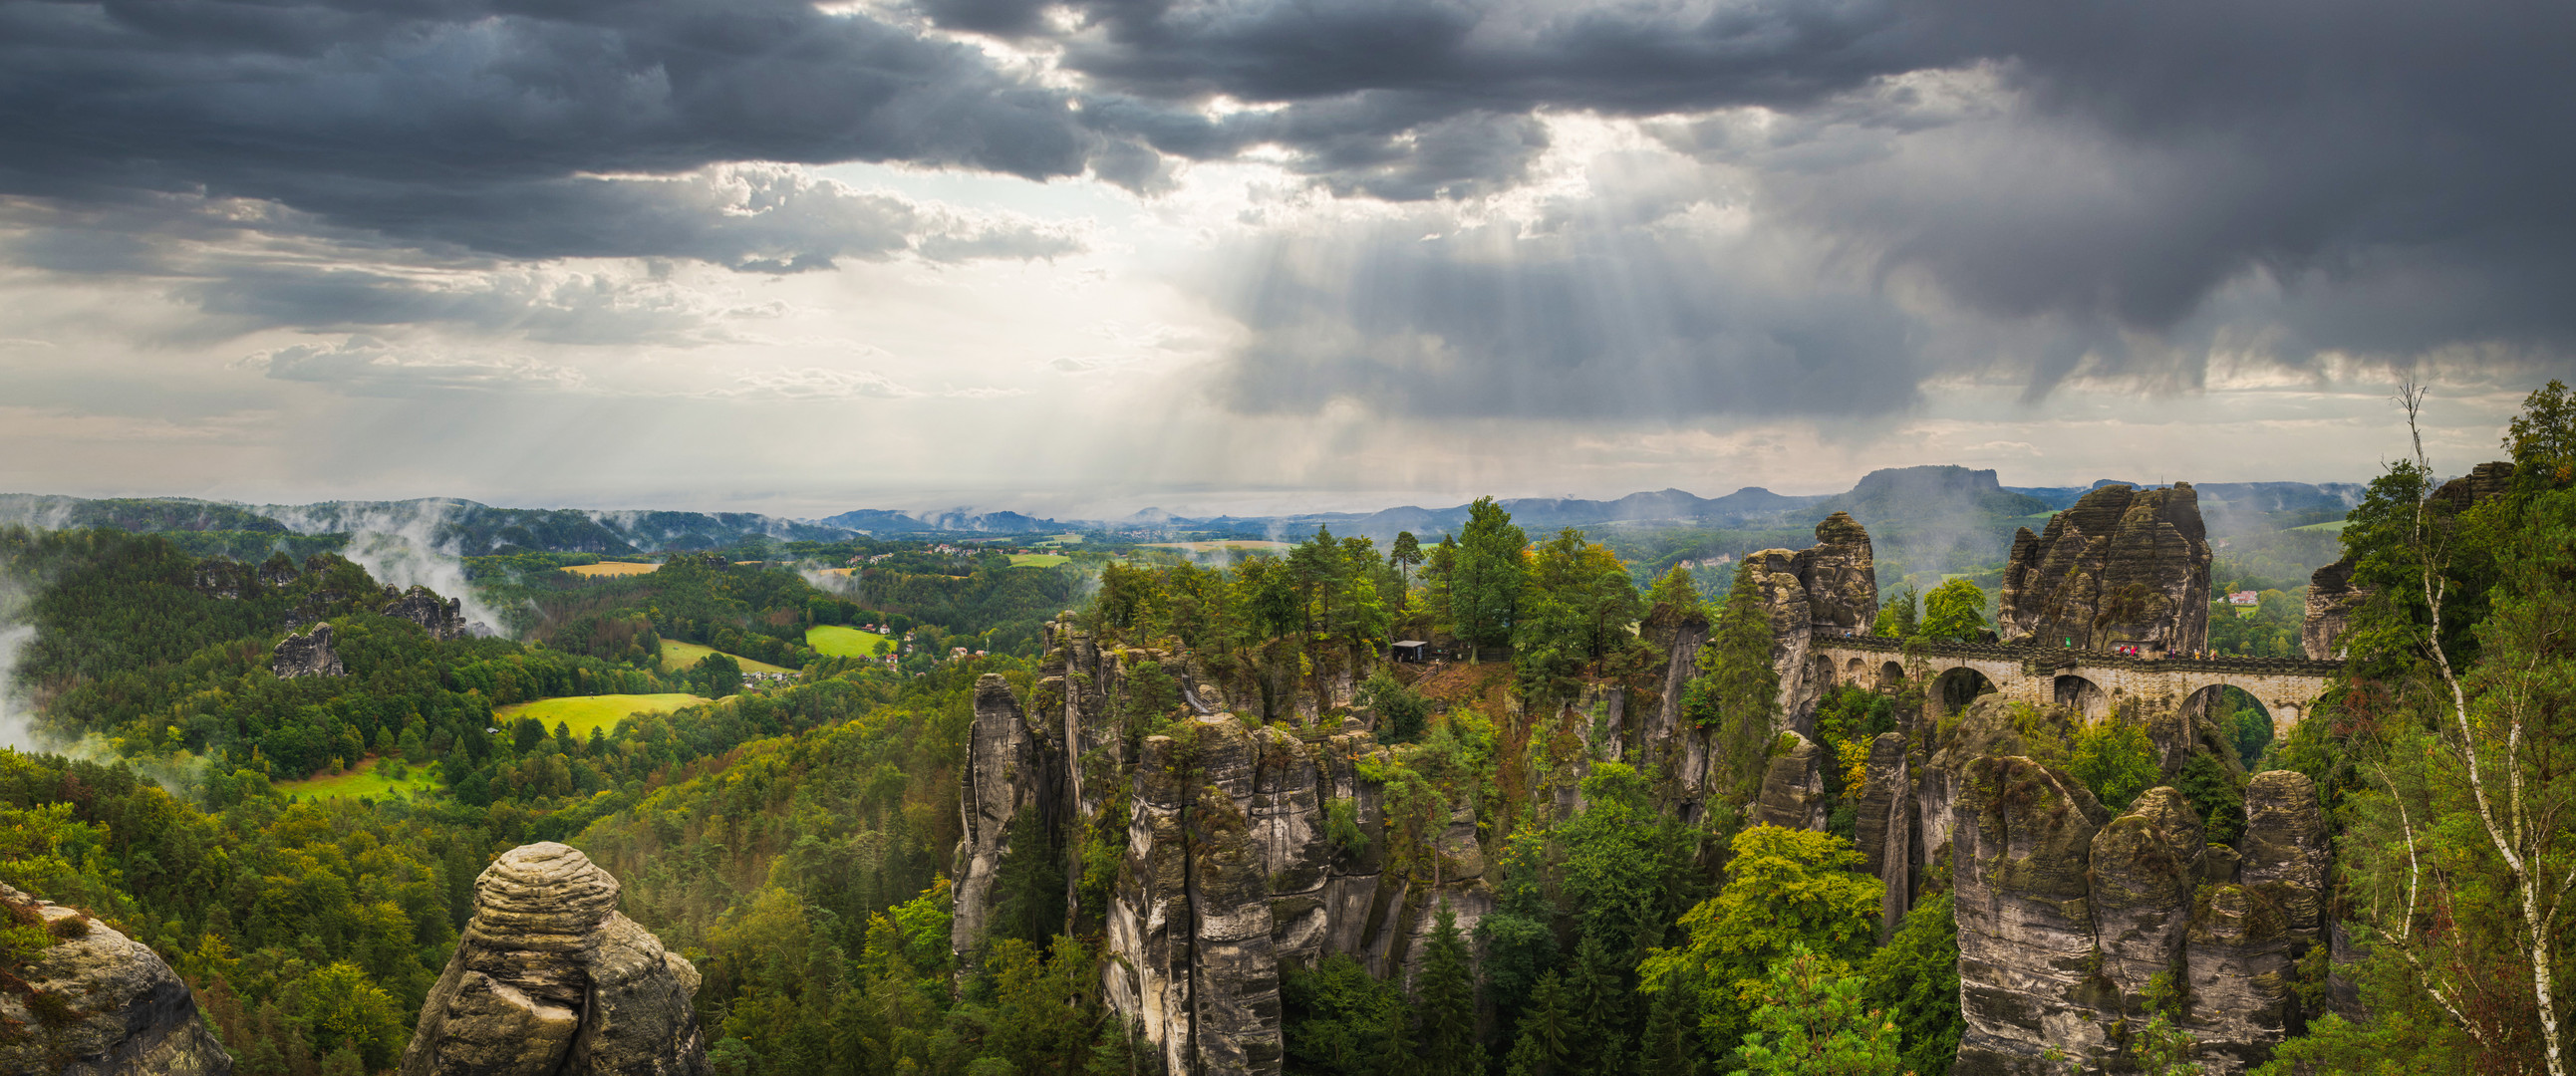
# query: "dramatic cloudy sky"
1088,256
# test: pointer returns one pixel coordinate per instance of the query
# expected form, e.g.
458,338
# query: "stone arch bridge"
2092,681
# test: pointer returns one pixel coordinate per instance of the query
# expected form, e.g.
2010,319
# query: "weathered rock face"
1884,826
2122,566
1230,870
2145,866
2066,921
1793,789
1841,576
309,654
125,1013
2483,481
2331,600
549,978
1006,773
2019,839
2247,932
1232,864
1830,588
444,620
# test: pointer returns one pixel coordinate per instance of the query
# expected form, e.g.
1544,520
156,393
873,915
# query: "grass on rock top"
587,712
836,641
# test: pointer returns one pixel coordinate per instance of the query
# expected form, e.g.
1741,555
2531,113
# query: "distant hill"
466,528
1909,494
880,521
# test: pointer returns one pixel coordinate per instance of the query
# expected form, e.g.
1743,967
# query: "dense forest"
793,840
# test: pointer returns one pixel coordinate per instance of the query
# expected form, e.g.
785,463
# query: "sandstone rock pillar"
550,979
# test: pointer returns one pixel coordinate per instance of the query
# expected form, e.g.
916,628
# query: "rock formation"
1232,866
2019,839
1827,589
2482,482
444,620
1793,789
2076,923
1004,775
1884,826
2331,600
309,654
549,978
2123,566
97,1003
1841,576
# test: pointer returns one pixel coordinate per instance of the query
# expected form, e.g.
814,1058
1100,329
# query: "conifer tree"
1544,1046
1446,994
1737,692
1667,1048
1600,1010
1674,590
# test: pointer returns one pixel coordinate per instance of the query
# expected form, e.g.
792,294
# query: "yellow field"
677,655
612,567
361,781
1038,560
835,641
587,712
837,571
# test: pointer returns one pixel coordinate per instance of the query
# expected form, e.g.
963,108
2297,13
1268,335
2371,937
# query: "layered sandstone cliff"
551,980
97,1003
2124,566
2077,924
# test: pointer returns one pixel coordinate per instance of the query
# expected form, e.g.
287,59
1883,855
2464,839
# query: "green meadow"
1038,560
833,640
677,655
587,712
366,781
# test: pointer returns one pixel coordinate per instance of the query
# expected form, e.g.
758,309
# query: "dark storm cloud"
472,123
2366,176
2126,186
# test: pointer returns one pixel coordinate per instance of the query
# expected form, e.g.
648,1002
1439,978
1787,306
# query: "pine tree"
1446,993
1737,691
1598,1002
1675,590
1667,1048
1543,1048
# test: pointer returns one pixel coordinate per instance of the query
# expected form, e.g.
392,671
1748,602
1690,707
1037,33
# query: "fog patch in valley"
399,545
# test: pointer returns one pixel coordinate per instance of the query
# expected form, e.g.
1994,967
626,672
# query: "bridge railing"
2037,659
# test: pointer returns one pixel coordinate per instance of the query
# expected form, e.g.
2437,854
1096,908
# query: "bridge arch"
1820,673
1958,686
2266,732
2083,696
1891,676
1855,671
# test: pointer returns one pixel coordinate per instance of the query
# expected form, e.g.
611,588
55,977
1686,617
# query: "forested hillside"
1553,892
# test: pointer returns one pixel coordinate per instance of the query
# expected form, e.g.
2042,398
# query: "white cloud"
363,366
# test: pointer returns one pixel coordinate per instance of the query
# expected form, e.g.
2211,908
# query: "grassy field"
362,781
612,567
587,712
1038,560
2332,526
833,640
677,655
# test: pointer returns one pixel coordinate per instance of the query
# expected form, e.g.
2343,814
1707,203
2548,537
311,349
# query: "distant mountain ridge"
1926,499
